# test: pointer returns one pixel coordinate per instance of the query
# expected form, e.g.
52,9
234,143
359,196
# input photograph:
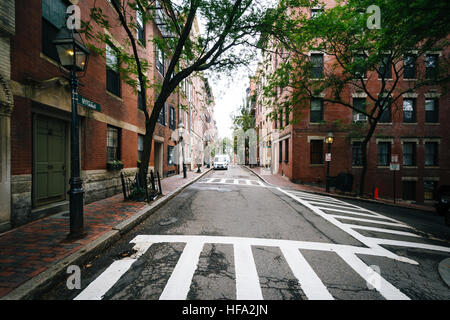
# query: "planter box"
114,166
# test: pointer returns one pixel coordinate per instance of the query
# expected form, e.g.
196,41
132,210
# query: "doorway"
49,160
158,158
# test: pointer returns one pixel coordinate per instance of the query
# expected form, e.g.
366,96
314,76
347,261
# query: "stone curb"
57,272
444,270
342,196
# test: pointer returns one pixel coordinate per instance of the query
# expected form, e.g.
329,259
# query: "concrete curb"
57,272
444,270
342,196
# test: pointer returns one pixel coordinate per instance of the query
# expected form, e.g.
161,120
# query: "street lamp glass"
330,138
72,52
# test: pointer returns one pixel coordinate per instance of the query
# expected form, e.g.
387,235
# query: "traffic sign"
394,158
328,157
395,166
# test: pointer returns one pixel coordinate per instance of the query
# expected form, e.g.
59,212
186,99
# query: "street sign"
395,166
328,157
85,102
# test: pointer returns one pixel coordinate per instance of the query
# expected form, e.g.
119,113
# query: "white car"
220,162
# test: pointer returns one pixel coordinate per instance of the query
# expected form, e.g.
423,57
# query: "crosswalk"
350,218
246,275
239,182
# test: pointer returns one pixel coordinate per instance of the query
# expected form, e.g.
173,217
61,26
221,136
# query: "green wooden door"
50,160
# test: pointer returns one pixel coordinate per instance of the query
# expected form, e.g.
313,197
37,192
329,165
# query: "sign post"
394,166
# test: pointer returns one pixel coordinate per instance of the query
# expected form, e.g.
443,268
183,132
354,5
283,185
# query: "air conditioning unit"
359,117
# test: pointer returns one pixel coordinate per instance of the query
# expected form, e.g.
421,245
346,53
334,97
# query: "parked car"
443,202
220,162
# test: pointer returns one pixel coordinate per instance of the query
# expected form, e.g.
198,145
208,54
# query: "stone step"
50,209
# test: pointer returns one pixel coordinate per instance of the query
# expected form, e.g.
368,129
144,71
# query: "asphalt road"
230,236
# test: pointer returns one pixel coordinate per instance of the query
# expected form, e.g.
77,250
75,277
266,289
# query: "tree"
357,56
228,25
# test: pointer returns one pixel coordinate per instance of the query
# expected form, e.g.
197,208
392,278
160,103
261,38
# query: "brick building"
111,121
414,130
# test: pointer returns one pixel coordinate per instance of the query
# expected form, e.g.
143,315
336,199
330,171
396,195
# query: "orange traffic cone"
375,196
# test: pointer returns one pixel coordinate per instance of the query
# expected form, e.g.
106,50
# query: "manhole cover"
168,221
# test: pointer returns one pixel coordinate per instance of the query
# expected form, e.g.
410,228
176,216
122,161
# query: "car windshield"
220,159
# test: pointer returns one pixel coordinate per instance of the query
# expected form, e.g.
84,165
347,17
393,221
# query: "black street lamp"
329,141
73,56
180,133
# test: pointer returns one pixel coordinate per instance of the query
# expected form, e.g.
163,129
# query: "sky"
229,94
229,91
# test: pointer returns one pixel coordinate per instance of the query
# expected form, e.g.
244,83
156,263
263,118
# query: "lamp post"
180,132
73,56
329,141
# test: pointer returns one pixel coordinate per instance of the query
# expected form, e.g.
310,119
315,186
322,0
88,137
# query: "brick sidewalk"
30,249
284,182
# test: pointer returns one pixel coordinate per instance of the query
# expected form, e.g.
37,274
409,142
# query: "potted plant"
114,165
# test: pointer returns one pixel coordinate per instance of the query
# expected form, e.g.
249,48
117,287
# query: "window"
357,154
280,151
385,68
286,150
172,118
281,119
140,27
359,61
276,120
431,110
409,190
316,151
113,144
316,12
409,110
429,189
316,66
316,113
112,71
170,155
384,153
162,115
140,146
160,60
409,153
53,19
409,64
286,114
432,66
359,104
431,154
386,113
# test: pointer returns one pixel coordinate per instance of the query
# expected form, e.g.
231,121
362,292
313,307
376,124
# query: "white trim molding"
391,140
315,138
410,95
359,95
410,179
431,95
